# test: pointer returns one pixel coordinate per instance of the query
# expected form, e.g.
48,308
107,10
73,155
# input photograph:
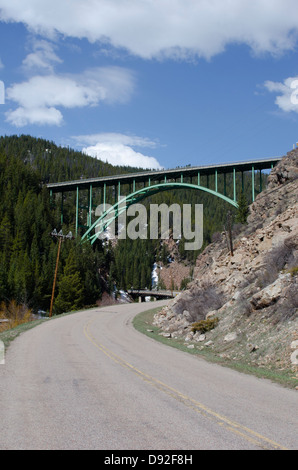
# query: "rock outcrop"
253,293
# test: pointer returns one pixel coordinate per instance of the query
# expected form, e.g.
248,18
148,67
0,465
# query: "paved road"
90,381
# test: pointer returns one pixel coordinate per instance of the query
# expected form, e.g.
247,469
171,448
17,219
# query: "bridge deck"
161,294
157,175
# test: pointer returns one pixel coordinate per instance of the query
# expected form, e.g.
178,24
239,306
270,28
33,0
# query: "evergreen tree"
164,254
242,211
70,288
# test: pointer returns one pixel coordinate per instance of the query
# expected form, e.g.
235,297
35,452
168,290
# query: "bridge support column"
77,211
253,182
61,216
104,196
89,223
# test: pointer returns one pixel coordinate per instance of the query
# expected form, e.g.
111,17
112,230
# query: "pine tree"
164,254
242,211
70,288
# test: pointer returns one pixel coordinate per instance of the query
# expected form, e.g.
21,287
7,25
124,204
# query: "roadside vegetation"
12,315
14,320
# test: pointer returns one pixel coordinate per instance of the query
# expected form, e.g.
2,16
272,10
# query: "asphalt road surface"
91,381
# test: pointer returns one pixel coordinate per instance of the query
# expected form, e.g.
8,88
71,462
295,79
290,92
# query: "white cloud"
164,28
42,58
118,149
46,93
287,99
41,116
117,138
123,155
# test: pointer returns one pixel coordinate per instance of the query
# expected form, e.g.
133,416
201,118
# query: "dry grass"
13,315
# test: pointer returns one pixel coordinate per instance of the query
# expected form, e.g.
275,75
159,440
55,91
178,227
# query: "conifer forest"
28,216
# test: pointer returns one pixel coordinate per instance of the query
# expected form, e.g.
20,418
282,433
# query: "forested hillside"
27,251
27,217
54,163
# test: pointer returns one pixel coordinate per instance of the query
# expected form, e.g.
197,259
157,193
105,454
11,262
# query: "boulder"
230,337
294,357
268,295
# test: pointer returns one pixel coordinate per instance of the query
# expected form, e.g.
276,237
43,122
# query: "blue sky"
152,83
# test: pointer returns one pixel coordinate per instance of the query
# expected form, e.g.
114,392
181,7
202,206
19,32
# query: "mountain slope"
253,294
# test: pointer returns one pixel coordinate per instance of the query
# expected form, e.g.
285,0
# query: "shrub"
185,282
293,271
205,325
280,256
276,260
198,301
15,314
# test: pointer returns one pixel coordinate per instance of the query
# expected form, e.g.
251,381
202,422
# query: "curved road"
91,381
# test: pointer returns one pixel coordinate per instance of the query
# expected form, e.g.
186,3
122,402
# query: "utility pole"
61,238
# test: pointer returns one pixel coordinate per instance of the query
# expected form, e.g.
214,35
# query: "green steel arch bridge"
211,179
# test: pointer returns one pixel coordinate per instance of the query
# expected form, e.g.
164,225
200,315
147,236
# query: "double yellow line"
248,434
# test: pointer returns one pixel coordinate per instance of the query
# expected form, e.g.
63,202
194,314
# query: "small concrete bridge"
156,294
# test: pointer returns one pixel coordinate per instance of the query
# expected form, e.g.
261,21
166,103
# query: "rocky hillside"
248,301
172,274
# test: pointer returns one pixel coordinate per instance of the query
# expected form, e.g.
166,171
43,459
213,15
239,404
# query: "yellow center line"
246,433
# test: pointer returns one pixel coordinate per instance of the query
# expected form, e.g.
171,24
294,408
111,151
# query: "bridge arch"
119,207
